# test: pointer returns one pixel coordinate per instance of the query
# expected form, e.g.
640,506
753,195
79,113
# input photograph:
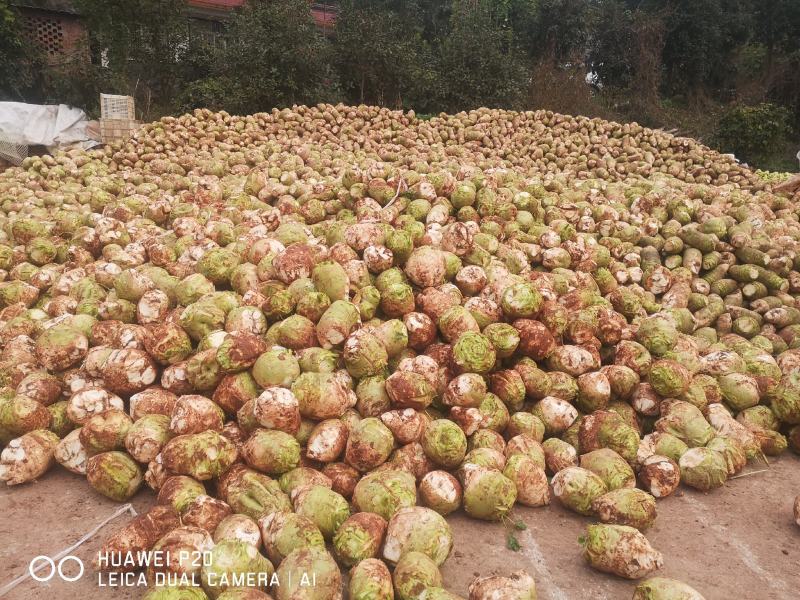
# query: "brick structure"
325,15
55,25
58,28
215,11
216,5
207,16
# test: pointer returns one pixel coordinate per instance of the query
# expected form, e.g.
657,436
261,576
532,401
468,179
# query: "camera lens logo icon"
41,562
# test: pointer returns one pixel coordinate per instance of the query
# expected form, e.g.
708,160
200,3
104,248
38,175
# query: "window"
210,32
47,31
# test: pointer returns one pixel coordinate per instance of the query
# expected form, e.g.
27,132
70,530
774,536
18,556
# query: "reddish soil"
739,542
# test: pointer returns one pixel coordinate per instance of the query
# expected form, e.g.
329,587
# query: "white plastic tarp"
42,125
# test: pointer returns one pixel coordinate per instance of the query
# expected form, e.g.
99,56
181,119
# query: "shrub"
754,132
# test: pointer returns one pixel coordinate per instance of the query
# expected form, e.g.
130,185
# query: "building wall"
213,9
219,4
324,15
60,35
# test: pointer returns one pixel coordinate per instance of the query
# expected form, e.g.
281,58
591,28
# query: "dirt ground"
738,542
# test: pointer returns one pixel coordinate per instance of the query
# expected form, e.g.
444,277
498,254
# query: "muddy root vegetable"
114,474
417,529
577,488
305,561
620,550
662,588
359,538
28,457
139,536
370,579
517,586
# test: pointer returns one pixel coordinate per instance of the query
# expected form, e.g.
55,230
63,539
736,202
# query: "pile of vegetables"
316,332
773,177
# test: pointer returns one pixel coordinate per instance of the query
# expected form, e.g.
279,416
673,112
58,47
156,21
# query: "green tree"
777,28
17,58
557,29
139,45
610,57
435,18
523,17
381,55
274,56
625,52
701,36
754,133
481,63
